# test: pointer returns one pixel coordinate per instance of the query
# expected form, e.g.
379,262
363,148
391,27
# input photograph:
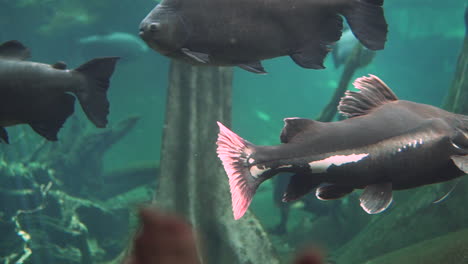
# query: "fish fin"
59,65
4,135
93,94
311,57
197,56
441,199
234,152
53,117
299,185
332,191
14,49
376,197
461,162
367,22
255,67
294,127
372,93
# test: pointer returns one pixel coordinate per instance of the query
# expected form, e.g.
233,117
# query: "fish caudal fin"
93,95
234,152
367,21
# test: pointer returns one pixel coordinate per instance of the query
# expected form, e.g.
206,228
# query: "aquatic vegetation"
49,197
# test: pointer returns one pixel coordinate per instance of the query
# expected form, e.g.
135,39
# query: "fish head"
164,30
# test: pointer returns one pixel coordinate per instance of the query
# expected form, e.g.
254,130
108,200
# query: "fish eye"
155,26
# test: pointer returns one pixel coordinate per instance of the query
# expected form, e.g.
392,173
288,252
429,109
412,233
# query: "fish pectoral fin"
14,49
59,65
311,57
4,135
299,185
197,56
376,197
255,67
461,162
332,192
441,199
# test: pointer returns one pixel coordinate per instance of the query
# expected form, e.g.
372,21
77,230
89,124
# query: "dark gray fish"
39,94
386,144
245,32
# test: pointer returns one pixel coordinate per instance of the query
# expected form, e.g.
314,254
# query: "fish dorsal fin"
294,127
372,93
3,135
59,65
13,49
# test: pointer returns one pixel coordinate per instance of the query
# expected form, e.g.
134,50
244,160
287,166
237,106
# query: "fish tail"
234,153
93,95
367,21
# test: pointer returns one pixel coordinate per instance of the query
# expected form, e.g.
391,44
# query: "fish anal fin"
461,162
332,191
294,127
311,57
373,93
299,185
4,135
51,118
254,67
14,49
312,54
197,56
376,198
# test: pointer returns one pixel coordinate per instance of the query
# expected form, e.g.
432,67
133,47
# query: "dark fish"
386,144
38,94
245,32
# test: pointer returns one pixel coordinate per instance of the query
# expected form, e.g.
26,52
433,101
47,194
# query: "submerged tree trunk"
192,181
457,98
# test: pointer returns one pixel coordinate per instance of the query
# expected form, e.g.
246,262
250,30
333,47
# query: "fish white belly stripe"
320,166
255,171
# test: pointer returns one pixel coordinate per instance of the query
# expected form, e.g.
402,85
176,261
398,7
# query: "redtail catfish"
245,32
38,94
386,144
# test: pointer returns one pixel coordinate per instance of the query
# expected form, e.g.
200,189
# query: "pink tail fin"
234,152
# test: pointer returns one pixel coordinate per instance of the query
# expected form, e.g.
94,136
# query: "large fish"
386,144
38,94
245,32
125,45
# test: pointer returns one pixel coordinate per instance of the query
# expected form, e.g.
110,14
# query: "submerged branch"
353,63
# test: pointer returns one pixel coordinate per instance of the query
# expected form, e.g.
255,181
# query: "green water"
418,63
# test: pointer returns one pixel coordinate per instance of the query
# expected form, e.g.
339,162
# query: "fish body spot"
320,166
